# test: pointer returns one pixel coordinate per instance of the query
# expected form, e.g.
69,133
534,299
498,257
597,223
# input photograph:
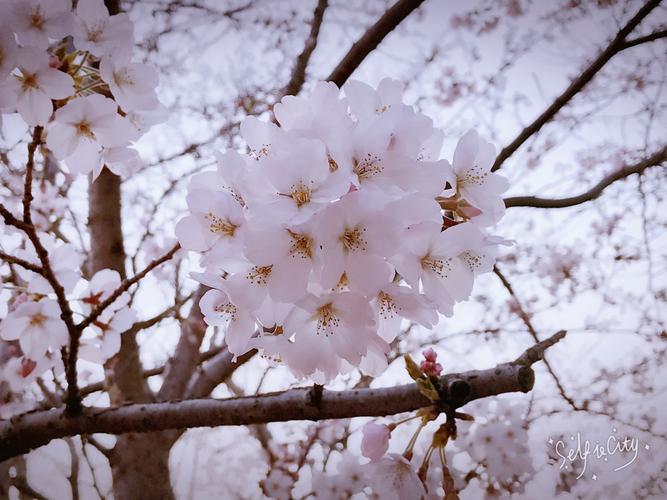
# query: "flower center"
439,267
367,167
227,308
475,176
302,245
333,166
219,226
387,305
83,129
122,78
259,275
95,33
327,320
474,262
353,239
37,319
37,19
342,283
300,194
29,81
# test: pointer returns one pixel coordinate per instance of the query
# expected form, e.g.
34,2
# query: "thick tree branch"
615,46
299,71
371,39
656,159
31,430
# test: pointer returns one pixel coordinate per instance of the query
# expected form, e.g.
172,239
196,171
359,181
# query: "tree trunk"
139,462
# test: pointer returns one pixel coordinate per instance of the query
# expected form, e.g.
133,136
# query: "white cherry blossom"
98,33
35,22
328,328
394,478
357,235
35,84
292,255
473,159
301,178
37,326
64,260
215,225
102,339
132,84
218,310
100,287
393,303
446,261
82,128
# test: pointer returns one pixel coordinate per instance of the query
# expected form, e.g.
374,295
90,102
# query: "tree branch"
125,286
371,39
616,45
31,430
651,37
654,160
20,262
29,169
299,71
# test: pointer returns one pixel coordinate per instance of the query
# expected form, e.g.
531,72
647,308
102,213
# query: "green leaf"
413,368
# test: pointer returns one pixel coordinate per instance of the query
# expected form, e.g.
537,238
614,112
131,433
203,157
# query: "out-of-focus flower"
375,441
35,85
101,34
132,84
35,22
37,326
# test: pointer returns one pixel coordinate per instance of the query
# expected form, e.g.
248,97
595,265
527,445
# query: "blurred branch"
616,45
10,259
525,318
186,355
651,37
30,430
299,72
371,39
654,160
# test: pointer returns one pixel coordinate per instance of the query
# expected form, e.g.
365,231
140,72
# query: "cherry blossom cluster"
34,320
72,72
70,75
340,223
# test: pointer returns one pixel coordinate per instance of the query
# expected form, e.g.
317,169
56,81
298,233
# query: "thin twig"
615,46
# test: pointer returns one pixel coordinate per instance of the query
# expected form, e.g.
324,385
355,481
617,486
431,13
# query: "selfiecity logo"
580,449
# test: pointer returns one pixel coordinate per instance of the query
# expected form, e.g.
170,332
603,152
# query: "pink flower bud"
430,355
375,442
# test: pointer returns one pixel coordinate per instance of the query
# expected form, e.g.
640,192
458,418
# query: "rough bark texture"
34,429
